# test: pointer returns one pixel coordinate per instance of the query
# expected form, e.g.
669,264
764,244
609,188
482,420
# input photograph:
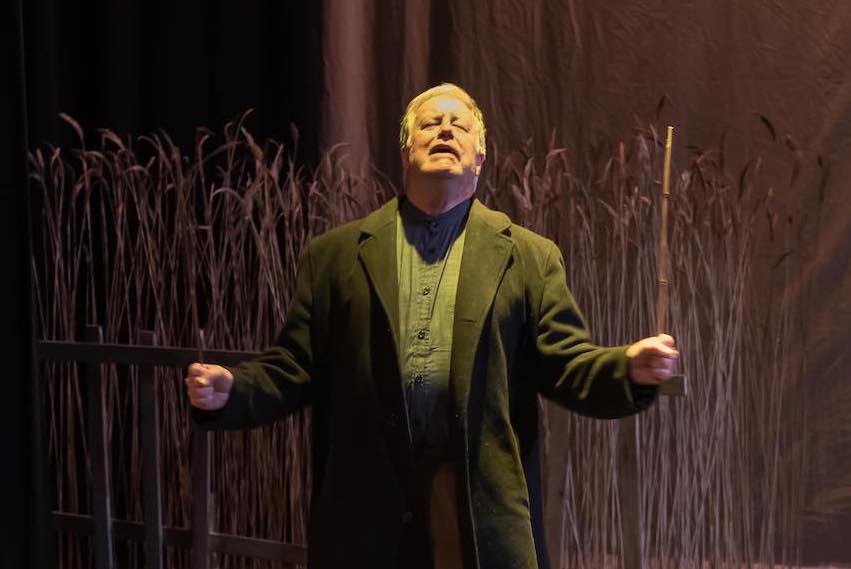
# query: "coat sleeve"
570,370
278,381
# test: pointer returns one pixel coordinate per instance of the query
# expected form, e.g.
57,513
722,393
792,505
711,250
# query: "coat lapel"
378,254
487,250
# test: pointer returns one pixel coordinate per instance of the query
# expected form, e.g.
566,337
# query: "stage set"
435,284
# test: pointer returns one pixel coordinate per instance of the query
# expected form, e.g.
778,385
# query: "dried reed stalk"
129,232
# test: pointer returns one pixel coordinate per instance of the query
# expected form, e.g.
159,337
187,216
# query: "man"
422,335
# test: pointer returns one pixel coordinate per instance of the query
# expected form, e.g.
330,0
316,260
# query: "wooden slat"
554,472
258,548
139,355
251,547
81,524
99,458
201,499
629,492
151,482
43,543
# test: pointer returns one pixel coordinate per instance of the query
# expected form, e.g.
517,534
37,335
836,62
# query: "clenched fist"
208,386
652,360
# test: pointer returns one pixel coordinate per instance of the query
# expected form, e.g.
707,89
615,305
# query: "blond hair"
407,123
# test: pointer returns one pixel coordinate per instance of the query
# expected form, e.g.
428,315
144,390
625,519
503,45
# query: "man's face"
443,139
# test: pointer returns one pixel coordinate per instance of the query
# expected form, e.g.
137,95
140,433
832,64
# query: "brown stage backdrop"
756,460
734,75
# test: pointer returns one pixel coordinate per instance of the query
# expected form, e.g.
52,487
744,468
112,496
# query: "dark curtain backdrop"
16,422
135,67
545,72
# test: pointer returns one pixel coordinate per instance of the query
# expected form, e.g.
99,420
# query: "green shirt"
428,261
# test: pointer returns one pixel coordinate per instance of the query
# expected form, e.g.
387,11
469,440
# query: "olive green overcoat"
517,333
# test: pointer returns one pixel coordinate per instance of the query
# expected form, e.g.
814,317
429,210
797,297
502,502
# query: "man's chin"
442,172
445,175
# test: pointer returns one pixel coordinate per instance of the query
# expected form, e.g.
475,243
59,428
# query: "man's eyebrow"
427,115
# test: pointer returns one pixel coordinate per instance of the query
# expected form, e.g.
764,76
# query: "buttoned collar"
412,215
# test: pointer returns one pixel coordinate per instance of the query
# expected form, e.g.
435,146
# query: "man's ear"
480,159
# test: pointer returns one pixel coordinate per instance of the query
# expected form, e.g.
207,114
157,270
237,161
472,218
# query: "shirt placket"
421,368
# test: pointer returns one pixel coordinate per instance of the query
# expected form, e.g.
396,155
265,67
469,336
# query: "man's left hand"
652,360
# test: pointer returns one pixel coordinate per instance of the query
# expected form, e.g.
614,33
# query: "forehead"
443,104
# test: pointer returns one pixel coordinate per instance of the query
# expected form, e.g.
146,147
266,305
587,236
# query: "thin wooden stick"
677,384
662,256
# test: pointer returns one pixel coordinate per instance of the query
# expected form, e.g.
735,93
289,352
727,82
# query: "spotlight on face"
444,139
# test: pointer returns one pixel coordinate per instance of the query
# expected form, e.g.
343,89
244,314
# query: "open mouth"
443,149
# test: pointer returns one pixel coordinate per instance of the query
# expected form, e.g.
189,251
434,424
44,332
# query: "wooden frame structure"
203,542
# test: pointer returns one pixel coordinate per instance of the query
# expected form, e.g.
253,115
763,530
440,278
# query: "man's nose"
445,132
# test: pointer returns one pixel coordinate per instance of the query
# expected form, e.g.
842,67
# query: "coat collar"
376,221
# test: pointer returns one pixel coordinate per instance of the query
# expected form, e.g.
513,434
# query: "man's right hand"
208,386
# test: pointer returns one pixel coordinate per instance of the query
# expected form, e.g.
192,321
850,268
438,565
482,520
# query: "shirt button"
418,379
422,334
426,290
